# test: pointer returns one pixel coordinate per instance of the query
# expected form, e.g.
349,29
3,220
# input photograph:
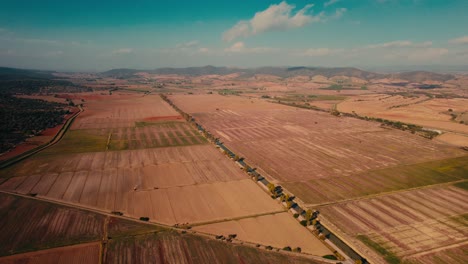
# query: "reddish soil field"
315,145
78,254
171,247
122,111
30,225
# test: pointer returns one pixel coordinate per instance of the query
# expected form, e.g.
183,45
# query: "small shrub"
298,249
117,213
332,257
144,218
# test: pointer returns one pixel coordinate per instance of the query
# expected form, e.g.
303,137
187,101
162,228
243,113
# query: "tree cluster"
21,118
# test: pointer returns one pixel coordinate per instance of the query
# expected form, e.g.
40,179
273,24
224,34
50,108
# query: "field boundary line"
237,218
429,251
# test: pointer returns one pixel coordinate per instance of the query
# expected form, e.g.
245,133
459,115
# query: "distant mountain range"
14,74
286,72
282,72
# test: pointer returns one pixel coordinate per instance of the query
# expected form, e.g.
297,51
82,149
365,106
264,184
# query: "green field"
77,141
387,255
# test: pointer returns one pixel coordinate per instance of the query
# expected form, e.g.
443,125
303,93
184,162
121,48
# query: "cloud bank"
277,17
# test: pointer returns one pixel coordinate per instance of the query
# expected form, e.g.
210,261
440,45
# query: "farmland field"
135,155
77,254
171,247
406,223
386,189
199,183
316,145
42,232
263,230
30,225
419,110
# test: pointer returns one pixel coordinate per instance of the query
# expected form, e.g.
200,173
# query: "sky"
100,35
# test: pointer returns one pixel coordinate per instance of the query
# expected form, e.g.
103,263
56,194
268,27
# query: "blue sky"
99,35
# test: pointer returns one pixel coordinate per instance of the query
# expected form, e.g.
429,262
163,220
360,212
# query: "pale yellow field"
423,111
264,230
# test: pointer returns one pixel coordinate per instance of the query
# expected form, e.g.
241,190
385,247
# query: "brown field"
406,223
455,255
135,155
453,139
122,111
169,185
171,247
315,145
31,225
210,102
331,159
431,113
172,185
78,254
264,230
326,190
48,98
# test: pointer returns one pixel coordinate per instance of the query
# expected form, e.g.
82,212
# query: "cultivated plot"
264,230
78,254
31,225
124,112
405,223
169,185
171,247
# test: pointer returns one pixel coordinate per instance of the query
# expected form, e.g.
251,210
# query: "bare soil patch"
264,230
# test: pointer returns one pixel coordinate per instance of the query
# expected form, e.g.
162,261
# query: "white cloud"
274,18
190,44
400,44
236,47
330,2
239,47
123,51
460,40
340,12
